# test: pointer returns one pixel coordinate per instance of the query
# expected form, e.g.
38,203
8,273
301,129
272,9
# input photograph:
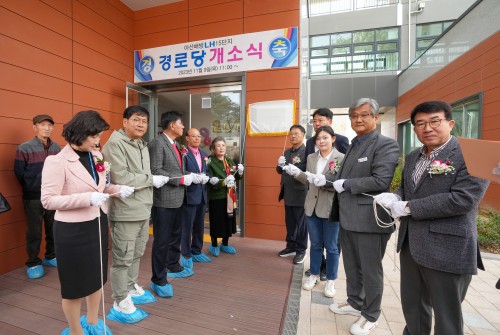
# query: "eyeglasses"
362,116
432,123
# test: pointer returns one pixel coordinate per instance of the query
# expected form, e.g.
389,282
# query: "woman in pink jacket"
74,184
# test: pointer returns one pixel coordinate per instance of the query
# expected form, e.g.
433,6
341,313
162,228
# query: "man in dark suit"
294,194
166,160
324,117
195,203
368,167
438,203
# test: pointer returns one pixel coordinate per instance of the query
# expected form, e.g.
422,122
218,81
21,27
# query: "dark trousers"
362,254
193,220
165,253
296,229
424,290
34,214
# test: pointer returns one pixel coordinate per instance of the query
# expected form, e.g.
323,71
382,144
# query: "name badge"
362,159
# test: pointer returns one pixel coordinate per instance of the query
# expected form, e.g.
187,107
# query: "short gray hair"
363,101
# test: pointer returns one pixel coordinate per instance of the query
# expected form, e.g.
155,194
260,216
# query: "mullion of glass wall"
355,52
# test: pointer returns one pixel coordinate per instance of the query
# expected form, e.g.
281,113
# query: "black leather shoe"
177,269
286,252
299,258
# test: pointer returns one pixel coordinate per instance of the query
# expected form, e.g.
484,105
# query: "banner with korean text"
256,51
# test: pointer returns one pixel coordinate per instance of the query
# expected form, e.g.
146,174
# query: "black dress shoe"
176,269
299,258
286,252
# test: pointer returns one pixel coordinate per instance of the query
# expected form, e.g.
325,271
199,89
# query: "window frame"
432,38
478,97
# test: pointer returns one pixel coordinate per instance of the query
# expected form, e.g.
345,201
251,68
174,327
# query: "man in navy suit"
438,203
324,117
195,203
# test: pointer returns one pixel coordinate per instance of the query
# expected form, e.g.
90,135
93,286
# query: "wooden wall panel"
25,106
109,13
265,231
62,6
28,82
161,10
29,32
194,4
161,23
16,214
98,81
256,195
260,7
99,62
12,235
272,21
217,29
288,78
90,18
216,13
90,38
34,59
162,38
41,13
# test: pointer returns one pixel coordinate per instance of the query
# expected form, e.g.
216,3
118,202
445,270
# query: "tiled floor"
481,306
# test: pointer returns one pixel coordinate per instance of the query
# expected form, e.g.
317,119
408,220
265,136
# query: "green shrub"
488,231
398,173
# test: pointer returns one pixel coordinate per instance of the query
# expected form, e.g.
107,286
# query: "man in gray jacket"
294,193
368,167
438,203
129,217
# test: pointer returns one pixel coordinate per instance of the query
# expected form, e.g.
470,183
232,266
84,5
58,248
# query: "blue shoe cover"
201,258
187,263
66,331
214,251
163,291
137,316
146,298
35,272
50,262
97,329
227,249
183,274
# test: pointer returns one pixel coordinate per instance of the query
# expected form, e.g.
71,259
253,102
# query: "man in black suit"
324,117
438,202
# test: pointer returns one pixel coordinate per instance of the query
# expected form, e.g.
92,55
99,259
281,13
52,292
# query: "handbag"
4,205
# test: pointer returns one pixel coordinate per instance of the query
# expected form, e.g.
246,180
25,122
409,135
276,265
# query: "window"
409,138
427,33
467,116
356,51
323,7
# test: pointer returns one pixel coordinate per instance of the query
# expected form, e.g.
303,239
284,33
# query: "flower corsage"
207,160
333,166
184,150
101,165
296,160
440,167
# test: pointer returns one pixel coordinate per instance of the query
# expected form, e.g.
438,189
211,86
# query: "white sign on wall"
256,51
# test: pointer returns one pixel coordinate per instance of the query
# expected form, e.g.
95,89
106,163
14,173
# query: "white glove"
339,185
187,179
125,191
97,199
310,177
319,180
214,180
204,179
159,181
398,209
197,178
241,168
292,170
229,181
386,199
281,161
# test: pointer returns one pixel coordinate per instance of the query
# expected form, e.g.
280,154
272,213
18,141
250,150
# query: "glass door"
136,95
217,112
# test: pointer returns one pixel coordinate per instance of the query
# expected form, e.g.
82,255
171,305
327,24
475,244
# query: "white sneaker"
329,289
125,306
344,308
362,326
136,292
310,282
